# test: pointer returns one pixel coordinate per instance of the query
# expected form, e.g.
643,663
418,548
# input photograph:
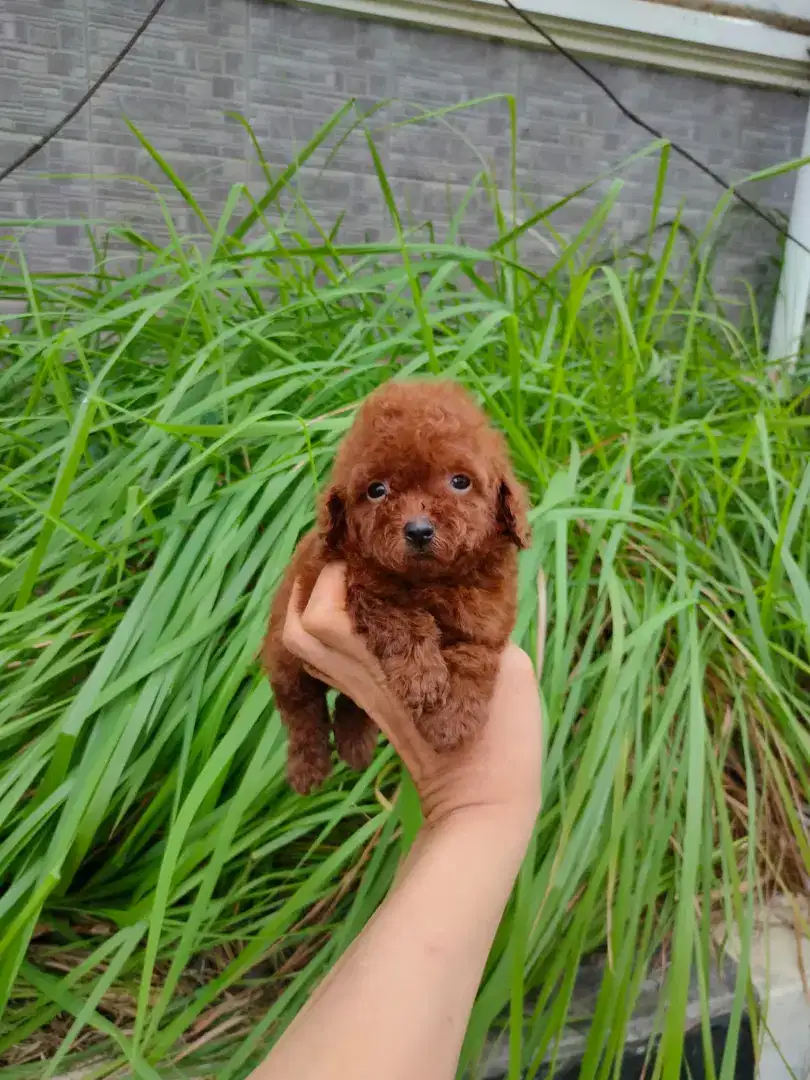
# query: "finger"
316,673
326,617
301,643
317,655
293,634
516,663
323,637
318,660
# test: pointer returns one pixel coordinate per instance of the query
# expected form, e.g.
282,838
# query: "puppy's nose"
419,532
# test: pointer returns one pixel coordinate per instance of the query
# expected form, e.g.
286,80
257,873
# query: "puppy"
426,513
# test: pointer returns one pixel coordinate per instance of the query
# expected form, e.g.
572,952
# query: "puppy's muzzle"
419,533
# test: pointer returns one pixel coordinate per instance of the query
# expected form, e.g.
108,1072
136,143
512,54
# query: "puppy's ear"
332,520
511,513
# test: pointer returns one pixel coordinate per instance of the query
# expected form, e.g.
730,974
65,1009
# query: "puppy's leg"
407,645
355,733
473,670
301,700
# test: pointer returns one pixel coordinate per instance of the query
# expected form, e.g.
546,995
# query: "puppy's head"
422,485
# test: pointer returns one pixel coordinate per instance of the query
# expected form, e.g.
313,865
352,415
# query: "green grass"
167,903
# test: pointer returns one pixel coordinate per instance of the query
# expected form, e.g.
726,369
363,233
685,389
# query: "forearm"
396,1006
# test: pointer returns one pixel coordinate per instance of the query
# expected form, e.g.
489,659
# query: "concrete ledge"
780,970
632,31
641,1030
780,961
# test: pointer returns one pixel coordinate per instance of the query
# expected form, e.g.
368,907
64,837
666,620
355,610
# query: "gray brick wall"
288,70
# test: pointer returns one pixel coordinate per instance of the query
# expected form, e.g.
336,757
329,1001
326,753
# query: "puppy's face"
420,518
423,484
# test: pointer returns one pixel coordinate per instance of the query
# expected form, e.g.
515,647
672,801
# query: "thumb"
326,618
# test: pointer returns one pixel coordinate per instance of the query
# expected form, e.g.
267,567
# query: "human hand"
498,770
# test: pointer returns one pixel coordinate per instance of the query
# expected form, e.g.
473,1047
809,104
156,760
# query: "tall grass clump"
166,903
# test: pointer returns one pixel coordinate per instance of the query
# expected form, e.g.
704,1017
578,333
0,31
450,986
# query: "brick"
9,90
71,37
60,63
234,63
223,88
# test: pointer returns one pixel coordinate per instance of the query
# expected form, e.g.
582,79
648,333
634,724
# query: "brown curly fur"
437,620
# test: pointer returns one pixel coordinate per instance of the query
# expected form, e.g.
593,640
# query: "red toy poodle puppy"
425,511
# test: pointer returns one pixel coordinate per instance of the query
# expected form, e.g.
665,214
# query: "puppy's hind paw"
307,770
355,734
357,749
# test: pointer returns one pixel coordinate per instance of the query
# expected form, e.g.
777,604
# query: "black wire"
46,138
636,119
603,86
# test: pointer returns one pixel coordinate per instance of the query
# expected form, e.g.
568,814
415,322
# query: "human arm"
395,1007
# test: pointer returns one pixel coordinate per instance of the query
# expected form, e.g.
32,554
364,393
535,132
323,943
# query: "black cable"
77,108
538,29
636,119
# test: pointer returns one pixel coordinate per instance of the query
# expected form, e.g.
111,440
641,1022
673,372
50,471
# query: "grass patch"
166,902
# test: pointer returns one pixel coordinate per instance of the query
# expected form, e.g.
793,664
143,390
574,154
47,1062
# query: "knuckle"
292,637
316,623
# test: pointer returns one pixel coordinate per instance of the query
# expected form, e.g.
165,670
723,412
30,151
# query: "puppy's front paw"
423,689
447,729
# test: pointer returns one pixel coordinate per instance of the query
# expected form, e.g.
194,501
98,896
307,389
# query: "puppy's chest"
461,613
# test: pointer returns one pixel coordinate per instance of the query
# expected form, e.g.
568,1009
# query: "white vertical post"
790,312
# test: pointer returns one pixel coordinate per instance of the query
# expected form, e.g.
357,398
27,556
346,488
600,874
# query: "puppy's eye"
460,482
376,490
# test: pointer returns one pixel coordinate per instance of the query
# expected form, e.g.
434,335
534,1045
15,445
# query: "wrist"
502,831
494,808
